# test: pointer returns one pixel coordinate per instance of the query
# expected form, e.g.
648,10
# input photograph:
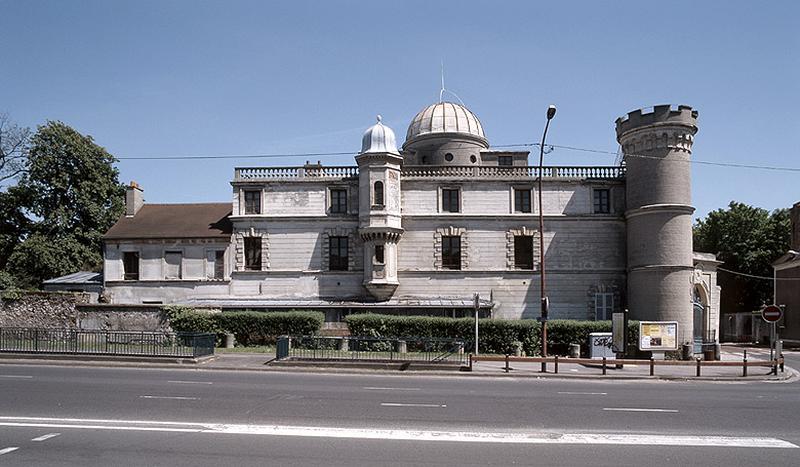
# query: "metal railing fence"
376,349
121,343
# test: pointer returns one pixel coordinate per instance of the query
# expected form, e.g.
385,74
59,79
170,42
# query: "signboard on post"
658,336
772,313
619,333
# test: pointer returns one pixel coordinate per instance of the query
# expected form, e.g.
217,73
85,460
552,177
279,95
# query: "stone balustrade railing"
427,171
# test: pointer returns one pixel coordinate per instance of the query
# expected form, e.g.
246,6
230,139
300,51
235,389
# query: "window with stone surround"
601,198
522,249
215,264
339,253
379,256
130,265
451,200
522,200
603,306
338,201
451,248
251,250
523,252
252,202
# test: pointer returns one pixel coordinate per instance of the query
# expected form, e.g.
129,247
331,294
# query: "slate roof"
80,277
201,220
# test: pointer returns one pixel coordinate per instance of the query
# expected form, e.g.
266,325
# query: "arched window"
378,198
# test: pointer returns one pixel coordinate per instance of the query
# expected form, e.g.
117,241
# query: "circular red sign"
772,313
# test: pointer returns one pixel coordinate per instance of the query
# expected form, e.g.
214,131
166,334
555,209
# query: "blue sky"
181,78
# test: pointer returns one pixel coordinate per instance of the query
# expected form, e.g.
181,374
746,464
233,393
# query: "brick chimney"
133,199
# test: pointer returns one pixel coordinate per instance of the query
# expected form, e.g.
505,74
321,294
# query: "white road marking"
375,388
7,450
631,409
512,437
46,437
190,382
179,398
584,393
16,376
573,369
397,404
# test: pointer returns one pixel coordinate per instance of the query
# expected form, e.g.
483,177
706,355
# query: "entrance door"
699,324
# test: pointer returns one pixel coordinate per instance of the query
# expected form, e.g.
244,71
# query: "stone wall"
40,309
122,318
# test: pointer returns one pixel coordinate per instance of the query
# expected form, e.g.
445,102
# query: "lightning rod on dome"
445,90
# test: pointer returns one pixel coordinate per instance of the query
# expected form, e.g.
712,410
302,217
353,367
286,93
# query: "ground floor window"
451,252
339,255
252,253
130,265
603,306
523,252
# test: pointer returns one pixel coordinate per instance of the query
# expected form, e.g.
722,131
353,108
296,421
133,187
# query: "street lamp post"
545,302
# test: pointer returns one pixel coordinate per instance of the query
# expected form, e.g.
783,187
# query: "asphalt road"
100,416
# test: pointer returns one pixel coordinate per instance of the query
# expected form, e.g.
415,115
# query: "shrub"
261,328
187,319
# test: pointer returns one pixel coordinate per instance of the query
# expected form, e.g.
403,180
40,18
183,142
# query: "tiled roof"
202,220
80,277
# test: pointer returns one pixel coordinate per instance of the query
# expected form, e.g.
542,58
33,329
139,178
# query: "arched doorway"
700,312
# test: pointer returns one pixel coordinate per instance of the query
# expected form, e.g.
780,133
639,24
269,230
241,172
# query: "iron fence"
121,343
376,349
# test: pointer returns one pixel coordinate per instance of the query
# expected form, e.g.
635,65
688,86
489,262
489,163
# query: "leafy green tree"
71,195
747,239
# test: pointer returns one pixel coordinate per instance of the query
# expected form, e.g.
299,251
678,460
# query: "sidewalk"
260,362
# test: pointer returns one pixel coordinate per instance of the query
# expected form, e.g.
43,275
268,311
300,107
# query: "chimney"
133,199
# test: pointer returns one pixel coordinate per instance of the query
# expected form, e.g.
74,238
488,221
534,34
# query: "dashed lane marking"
634,409
398,404
377,388
177,398
583,393
46,437
16,376
190,382
7,450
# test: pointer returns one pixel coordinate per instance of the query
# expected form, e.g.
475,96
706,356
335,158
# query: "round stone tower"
657,147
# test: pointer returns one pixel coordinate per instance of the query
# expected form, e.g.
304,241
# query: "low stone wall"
40,309
122,318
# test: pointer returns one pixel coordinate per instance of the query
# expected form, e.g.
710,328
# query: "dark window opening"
448,157
379,254
601,201
172,264
473,159
338,201
252,202
505,160
523,252
219,264
252,253
451,252
450,200
378,194
130,265
522,200
338,253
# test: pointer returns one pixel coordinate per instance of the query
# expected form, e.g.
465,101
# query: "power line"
752,276
556,146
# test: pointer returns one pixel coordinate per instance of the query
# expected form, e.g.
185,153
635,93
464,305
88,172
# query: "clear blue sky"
173,78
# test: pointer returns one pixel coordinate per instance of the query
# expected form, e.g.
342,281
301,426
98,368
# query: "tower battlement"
660,114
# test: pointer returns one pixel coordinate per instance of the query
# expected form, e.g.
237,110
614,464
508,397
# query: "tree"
71,195
747,239
13,149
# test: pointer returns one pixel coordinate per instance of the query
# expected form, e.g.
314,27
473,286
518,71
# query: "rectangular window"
603,306
379,254
172,264
505,161
252,253
602,203
338,201
523,252
450,200
338,253
130,266
252,202
451,252
522,200
219,264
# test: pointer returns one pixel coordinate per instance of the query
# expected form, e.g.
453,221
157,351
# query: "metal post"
652,366
744,363
604,366
506,364
551,112
698,367
477,304
470,362
555,364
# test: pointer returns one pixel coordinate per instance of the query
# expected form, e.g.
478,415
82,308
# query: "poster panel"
658,335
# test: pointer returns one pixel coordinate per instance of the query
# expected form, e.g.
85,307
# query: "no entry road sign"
771,313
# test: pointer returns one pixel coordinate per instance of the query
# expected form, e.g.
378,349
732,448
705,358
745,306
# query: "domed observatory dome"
379,138
445,133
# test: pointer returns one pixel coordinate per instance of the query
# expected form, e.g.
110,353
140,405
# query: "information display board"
658,335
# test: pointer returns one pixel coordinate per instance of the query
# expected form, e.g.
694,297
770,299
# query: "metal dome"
378,138
445,117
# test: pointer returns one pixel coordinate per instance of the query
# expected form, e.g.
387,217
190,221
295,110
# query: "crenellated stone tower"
657,147
379,209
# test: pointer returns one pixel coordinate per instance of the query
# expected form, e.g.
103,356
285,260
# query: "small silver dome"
379,138
445,117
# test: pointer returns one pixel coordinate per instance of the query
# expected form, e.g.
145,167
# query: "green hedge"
249,327
496,335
